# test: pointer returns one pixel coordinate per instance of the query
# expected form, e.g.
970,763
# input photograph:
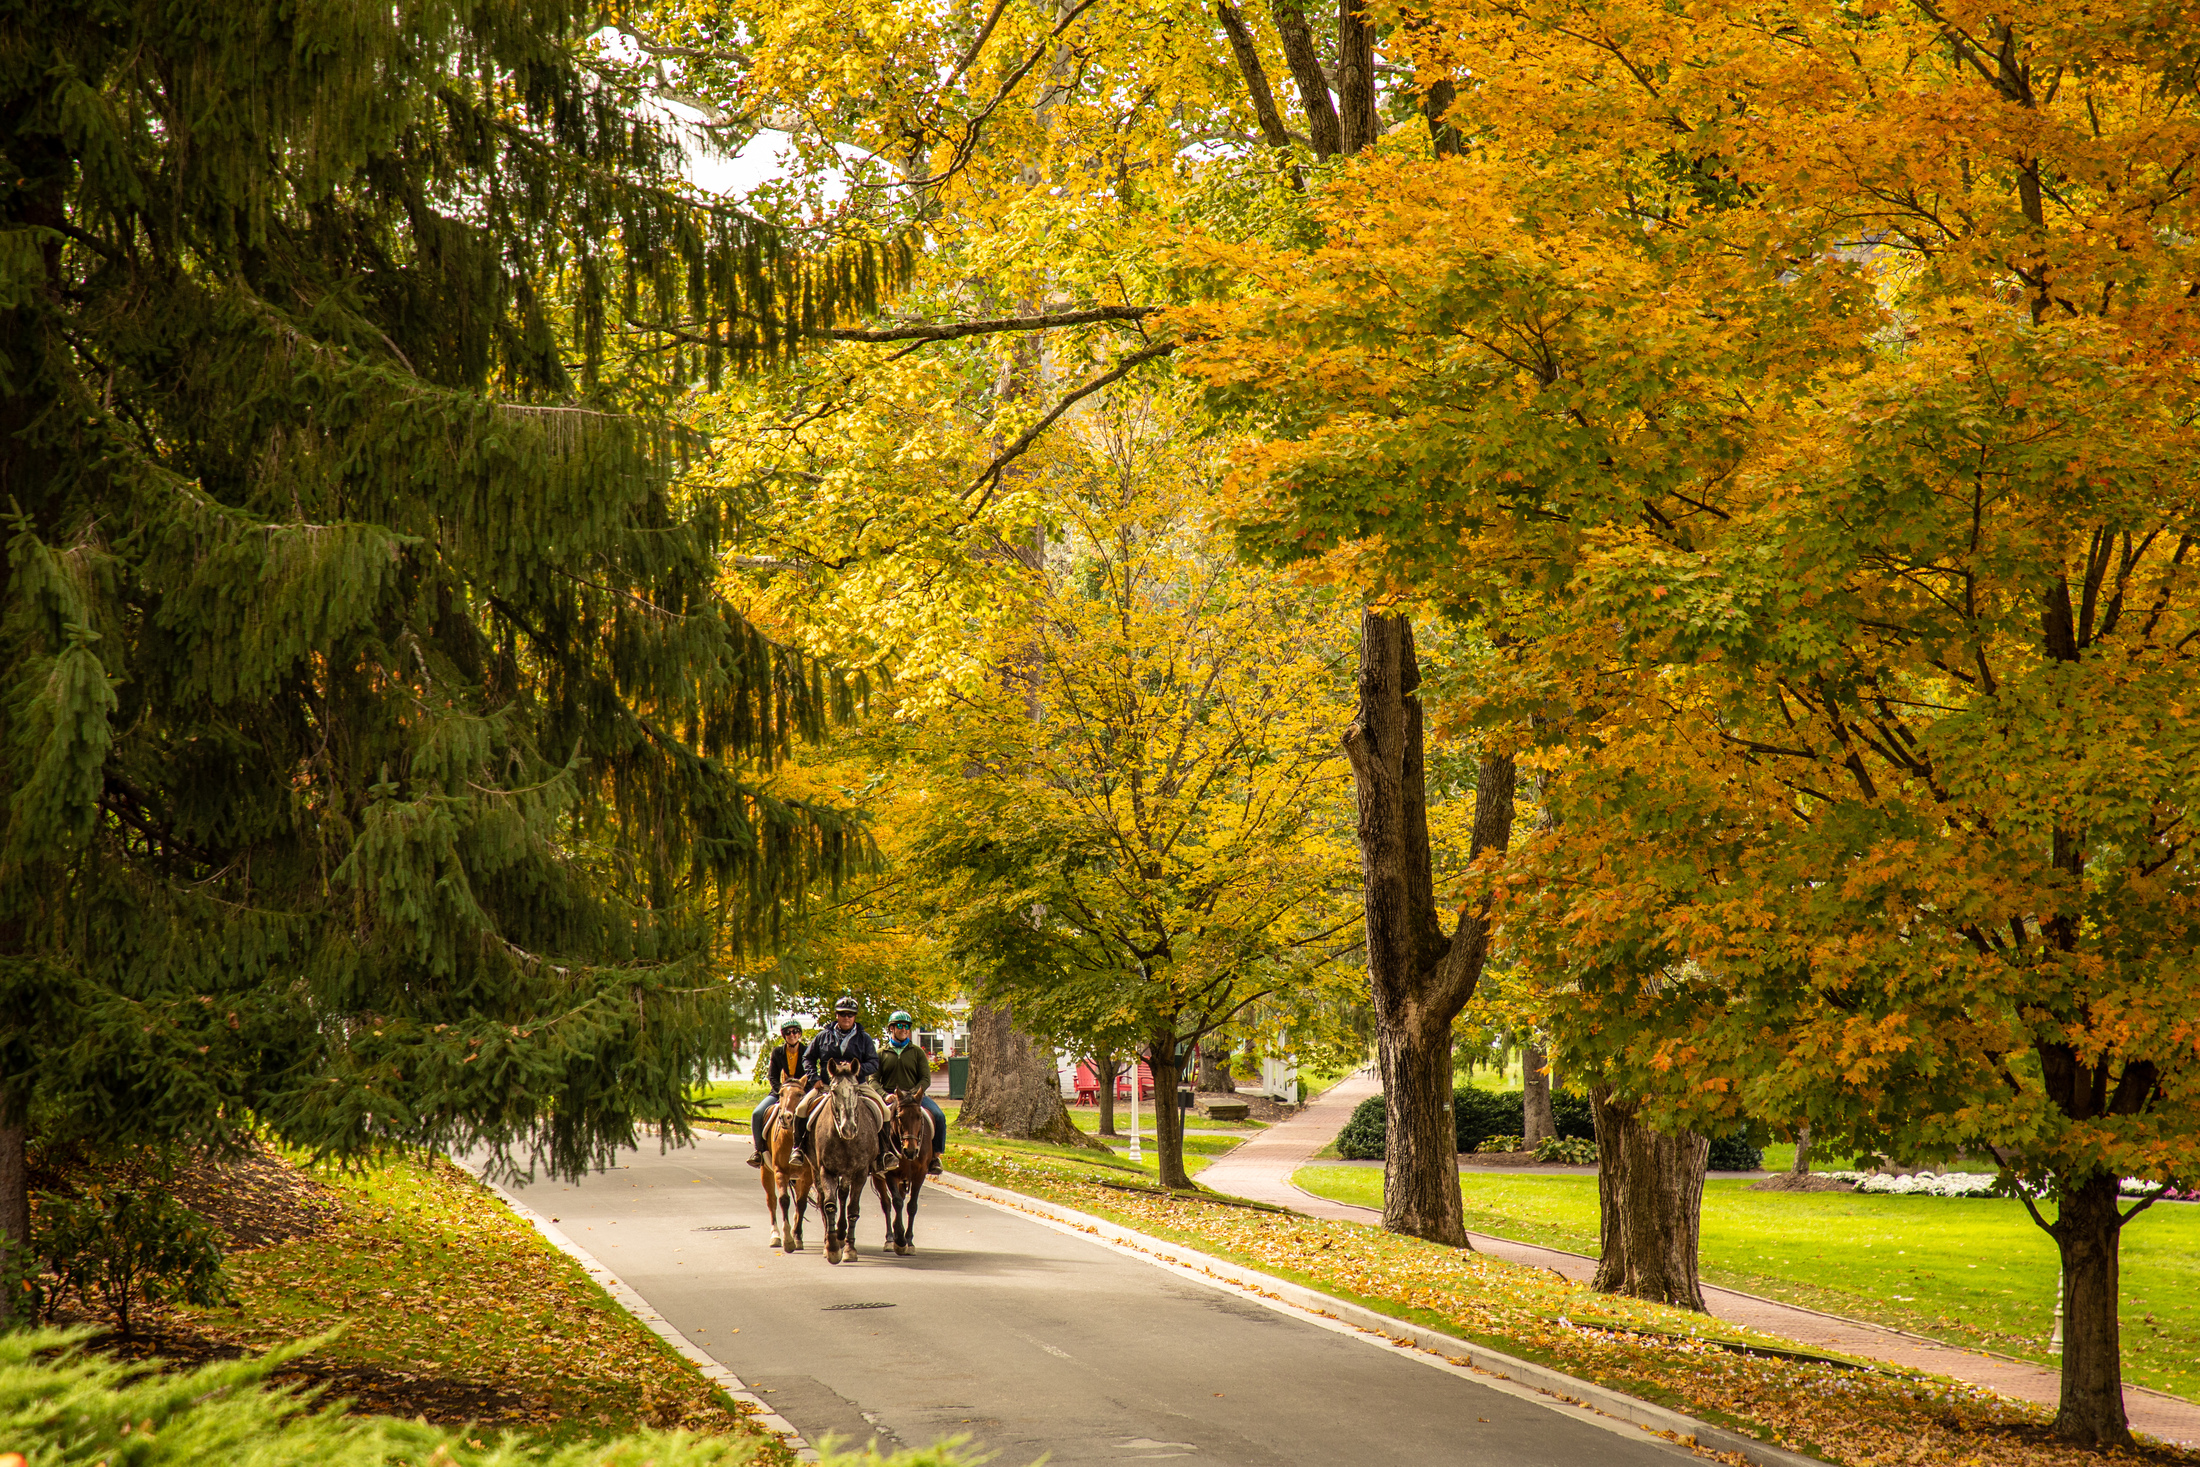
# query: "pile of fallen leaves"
1876,1417
450,1308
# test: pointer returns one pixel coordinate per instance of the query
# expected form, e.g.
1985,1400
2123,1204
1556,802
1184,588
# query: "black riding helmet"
845,1006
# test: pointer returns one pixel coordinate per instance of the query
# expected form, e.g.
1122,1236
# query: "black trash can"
1185,1100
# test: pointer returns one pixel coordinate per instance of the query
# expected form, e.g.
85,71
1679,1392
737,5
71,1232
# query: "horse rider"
840,1042
786,1065
903,1065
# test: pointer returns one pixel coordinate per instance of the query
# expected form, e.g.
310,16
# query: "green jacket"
904,1069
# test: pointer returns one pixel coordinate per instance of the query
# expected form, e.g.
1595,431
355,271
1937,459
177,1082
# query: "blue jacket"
831,1045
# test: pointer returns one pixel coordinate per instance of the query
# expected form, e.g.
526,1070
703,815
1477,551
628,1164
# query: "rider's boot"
802,1139
934,1169
756,1157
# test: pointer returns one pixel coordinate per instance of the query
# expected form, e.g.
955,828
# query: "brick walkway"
1261,1169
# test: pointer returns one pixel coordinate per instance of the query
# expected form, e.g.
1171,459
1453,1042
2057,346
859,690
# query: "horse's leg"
909,1213
828,1203
770,1179
854,1203
801,1211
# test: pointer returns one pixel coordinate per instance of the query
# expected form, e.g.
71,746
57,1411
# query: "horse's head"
912,1127
790,1094
843,1080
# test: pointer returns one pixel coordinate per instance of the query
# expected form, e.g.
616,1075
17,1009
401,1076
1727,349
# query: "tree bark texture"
1214,1071
1418,977
15,1200
1104,1065
1168,1120
1014,1089
2088,1233
1801,1167
1257,90
1299,50
1650,1206
1537,1122
1355,76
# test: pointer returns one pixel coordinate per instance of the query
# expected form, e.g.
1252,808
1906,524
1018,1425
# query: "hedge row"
1479,1114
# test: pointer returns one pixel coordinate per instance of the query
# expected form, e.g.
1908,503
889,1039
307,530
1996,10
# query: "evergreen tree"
378,762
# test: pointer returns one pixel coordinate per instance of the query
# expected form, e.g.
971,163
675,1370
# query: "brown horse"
898,1187
786,1176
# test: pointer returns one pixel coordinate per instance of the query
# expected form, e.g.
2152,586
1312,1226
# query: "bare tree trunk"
1014,1089
1650,1206
15,1197
2087,1233
1168,1120
1355,76
1419,978
1537,1122
1214,1072
1105,1064
1304,56
1801,1168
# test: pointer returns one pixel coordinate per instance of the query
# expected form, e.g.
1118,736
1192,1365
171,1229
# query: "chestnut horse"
899,1186
786,1177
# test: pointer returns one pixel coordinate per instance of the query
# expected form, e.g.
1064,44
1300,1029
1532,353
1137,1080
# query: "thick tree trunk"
1168,1120
2088,1232
1650,1206
1801,1168
1014,1089
1419,978
1355,76
1214,1071
1105,1065
1304,56
15,1198
1537,1122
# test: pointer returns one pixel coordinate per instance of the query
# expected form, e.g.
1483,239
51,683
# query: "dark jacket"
781,1069
831,1045
908,1068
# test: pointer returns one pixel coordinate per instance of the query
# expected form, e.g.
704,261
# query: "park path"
1034,1340
1261,1170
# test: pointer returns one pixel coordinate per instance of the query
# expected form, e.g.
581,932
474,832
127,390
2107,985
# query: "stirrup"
934,1169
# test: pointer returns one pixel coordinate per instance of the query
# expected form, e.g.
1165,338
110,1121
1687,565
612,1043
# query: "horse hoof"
901,1250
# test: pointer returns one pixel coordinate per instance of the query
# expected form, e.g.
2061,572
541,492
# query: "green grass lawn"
1087,1119
1973,1271
1198,1152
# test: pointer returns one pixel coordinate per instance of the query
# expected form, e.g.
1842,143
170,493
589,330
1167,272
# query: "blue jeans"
762,1118
939,1125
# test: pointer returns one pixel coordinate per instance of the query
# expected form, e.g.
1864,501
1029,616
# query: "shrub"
113,1247
1476,1116
1571,1150
1735,1152
1576,1118
1495,1144
1362,1136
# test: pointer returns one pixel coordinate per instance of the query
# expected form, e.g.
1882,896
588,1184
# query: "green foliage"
379,759
1477,1116
1735,1152
1362,1138
59,1403
1571,1150
115,1246
1498,1144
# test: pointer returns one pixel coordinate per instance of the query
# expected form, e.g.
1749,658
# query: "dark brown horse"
899,1187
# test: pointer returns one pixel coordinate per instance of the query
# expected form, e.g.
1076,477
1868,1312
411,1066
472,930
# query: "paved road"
1032,1341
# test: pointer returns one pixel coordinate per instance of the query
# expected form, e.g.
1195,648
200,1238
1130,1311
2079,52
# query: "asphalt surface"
1031,1342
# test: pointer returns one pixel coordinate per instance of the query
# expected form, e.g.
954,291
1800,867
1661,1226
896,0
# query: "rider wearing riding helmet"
786,1065
903,1065
841,1042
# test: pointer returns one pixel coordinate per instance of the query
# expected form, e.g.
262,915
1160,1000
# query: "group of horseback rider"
901,1065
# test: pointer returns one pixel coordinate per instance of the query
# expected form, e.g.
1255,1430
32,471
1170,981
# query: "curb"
1542,1382
754,1407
